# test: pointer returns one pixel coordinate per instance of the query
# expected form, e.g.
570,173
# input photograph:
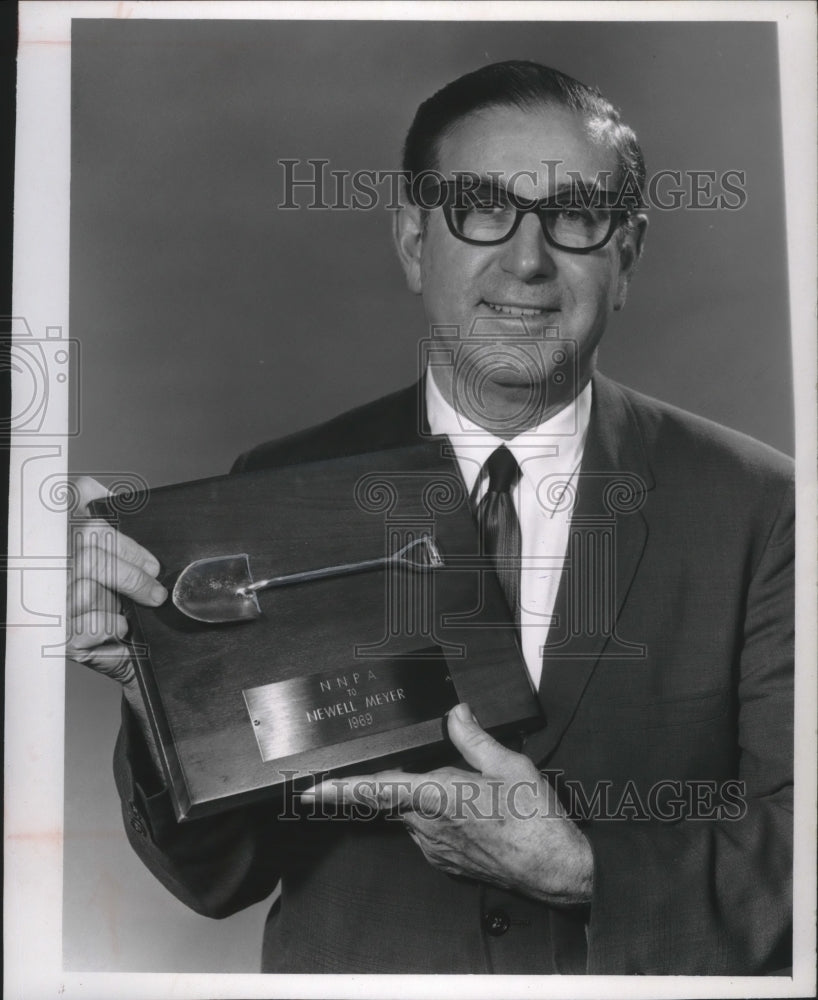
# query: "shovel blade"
211,590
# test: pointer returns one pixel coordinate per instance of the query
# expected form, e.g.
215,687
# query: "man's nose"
526,255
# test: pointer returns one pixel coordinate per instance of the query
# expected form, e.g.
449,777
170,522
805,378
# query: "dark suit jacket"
684,707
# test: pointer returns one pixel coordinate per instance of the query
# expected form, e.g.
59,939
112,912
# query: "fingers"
428,795
96,640
88,489
94,628
431,795
86,596
482,751
113,659
98,534
385,791
104,564
107,558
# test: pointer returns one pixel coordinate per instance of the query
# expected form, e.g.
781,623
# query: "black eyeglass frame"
448,201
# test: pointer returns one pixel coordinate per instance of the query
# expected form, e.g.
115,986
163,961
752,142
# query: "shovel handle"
342,569
347,569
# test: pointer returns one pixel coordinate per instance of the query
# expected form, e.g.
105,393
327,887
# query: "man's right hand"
105,564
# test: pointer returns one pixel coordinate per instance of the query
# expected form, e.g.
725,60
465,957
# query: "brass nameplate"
374,696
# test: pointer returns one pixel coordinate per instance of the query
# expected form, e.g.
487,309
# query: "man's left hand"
503,824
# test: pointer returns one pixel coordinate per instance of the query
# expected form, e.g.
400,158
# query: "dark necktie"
499,526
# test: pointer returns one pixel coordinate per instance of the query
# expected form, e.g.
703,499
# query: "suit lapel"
607,538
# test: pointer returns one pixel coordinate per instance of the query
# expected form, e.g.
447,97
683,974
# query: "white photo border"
35,739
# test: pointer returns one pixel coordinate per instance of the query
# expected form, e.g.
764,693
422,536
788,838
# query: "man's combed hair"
523,85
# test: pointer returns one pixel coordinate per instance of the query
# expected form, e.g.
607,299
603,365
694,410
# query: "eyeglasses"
489,214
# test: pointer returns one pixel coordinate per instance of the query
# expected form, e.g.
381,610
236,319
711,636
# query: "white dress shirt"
548,455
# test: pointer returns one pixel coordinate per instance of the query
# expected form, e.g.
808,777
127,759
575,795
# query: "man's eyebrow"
495,181
474,180
580,183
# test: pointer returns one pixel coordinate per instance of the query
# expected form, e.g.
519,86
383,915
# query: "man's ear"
407,232
630,250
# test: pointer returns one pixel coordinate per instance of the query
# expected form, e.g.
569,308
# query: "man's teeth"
514,310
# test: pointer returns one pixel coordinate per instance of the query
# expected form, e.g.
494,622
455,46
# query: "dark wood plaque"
337,675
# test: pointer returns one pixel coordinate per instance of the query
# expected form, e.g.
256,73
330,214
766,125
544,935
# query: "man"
647,827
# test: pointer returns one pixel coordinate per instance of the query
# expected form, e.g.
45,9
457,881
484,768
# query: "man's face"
506,300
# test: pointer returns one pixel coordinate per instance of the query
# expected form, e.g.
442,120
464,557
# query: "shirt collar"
553,447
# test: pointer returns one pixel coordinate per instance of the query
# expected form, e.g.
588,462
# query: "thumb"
482,751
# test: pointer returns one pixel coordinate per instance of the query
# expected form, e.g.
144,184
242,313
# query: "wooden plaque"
337,675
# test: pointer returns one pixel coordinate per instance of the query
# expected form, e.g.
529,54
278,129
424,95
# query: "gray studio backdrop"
210,320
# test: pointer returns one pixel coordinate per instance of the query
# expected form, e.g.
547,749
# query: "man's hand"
503,825
104,564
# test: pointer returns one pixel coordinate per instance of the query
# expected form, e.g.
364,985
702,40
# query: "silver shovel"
221,589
